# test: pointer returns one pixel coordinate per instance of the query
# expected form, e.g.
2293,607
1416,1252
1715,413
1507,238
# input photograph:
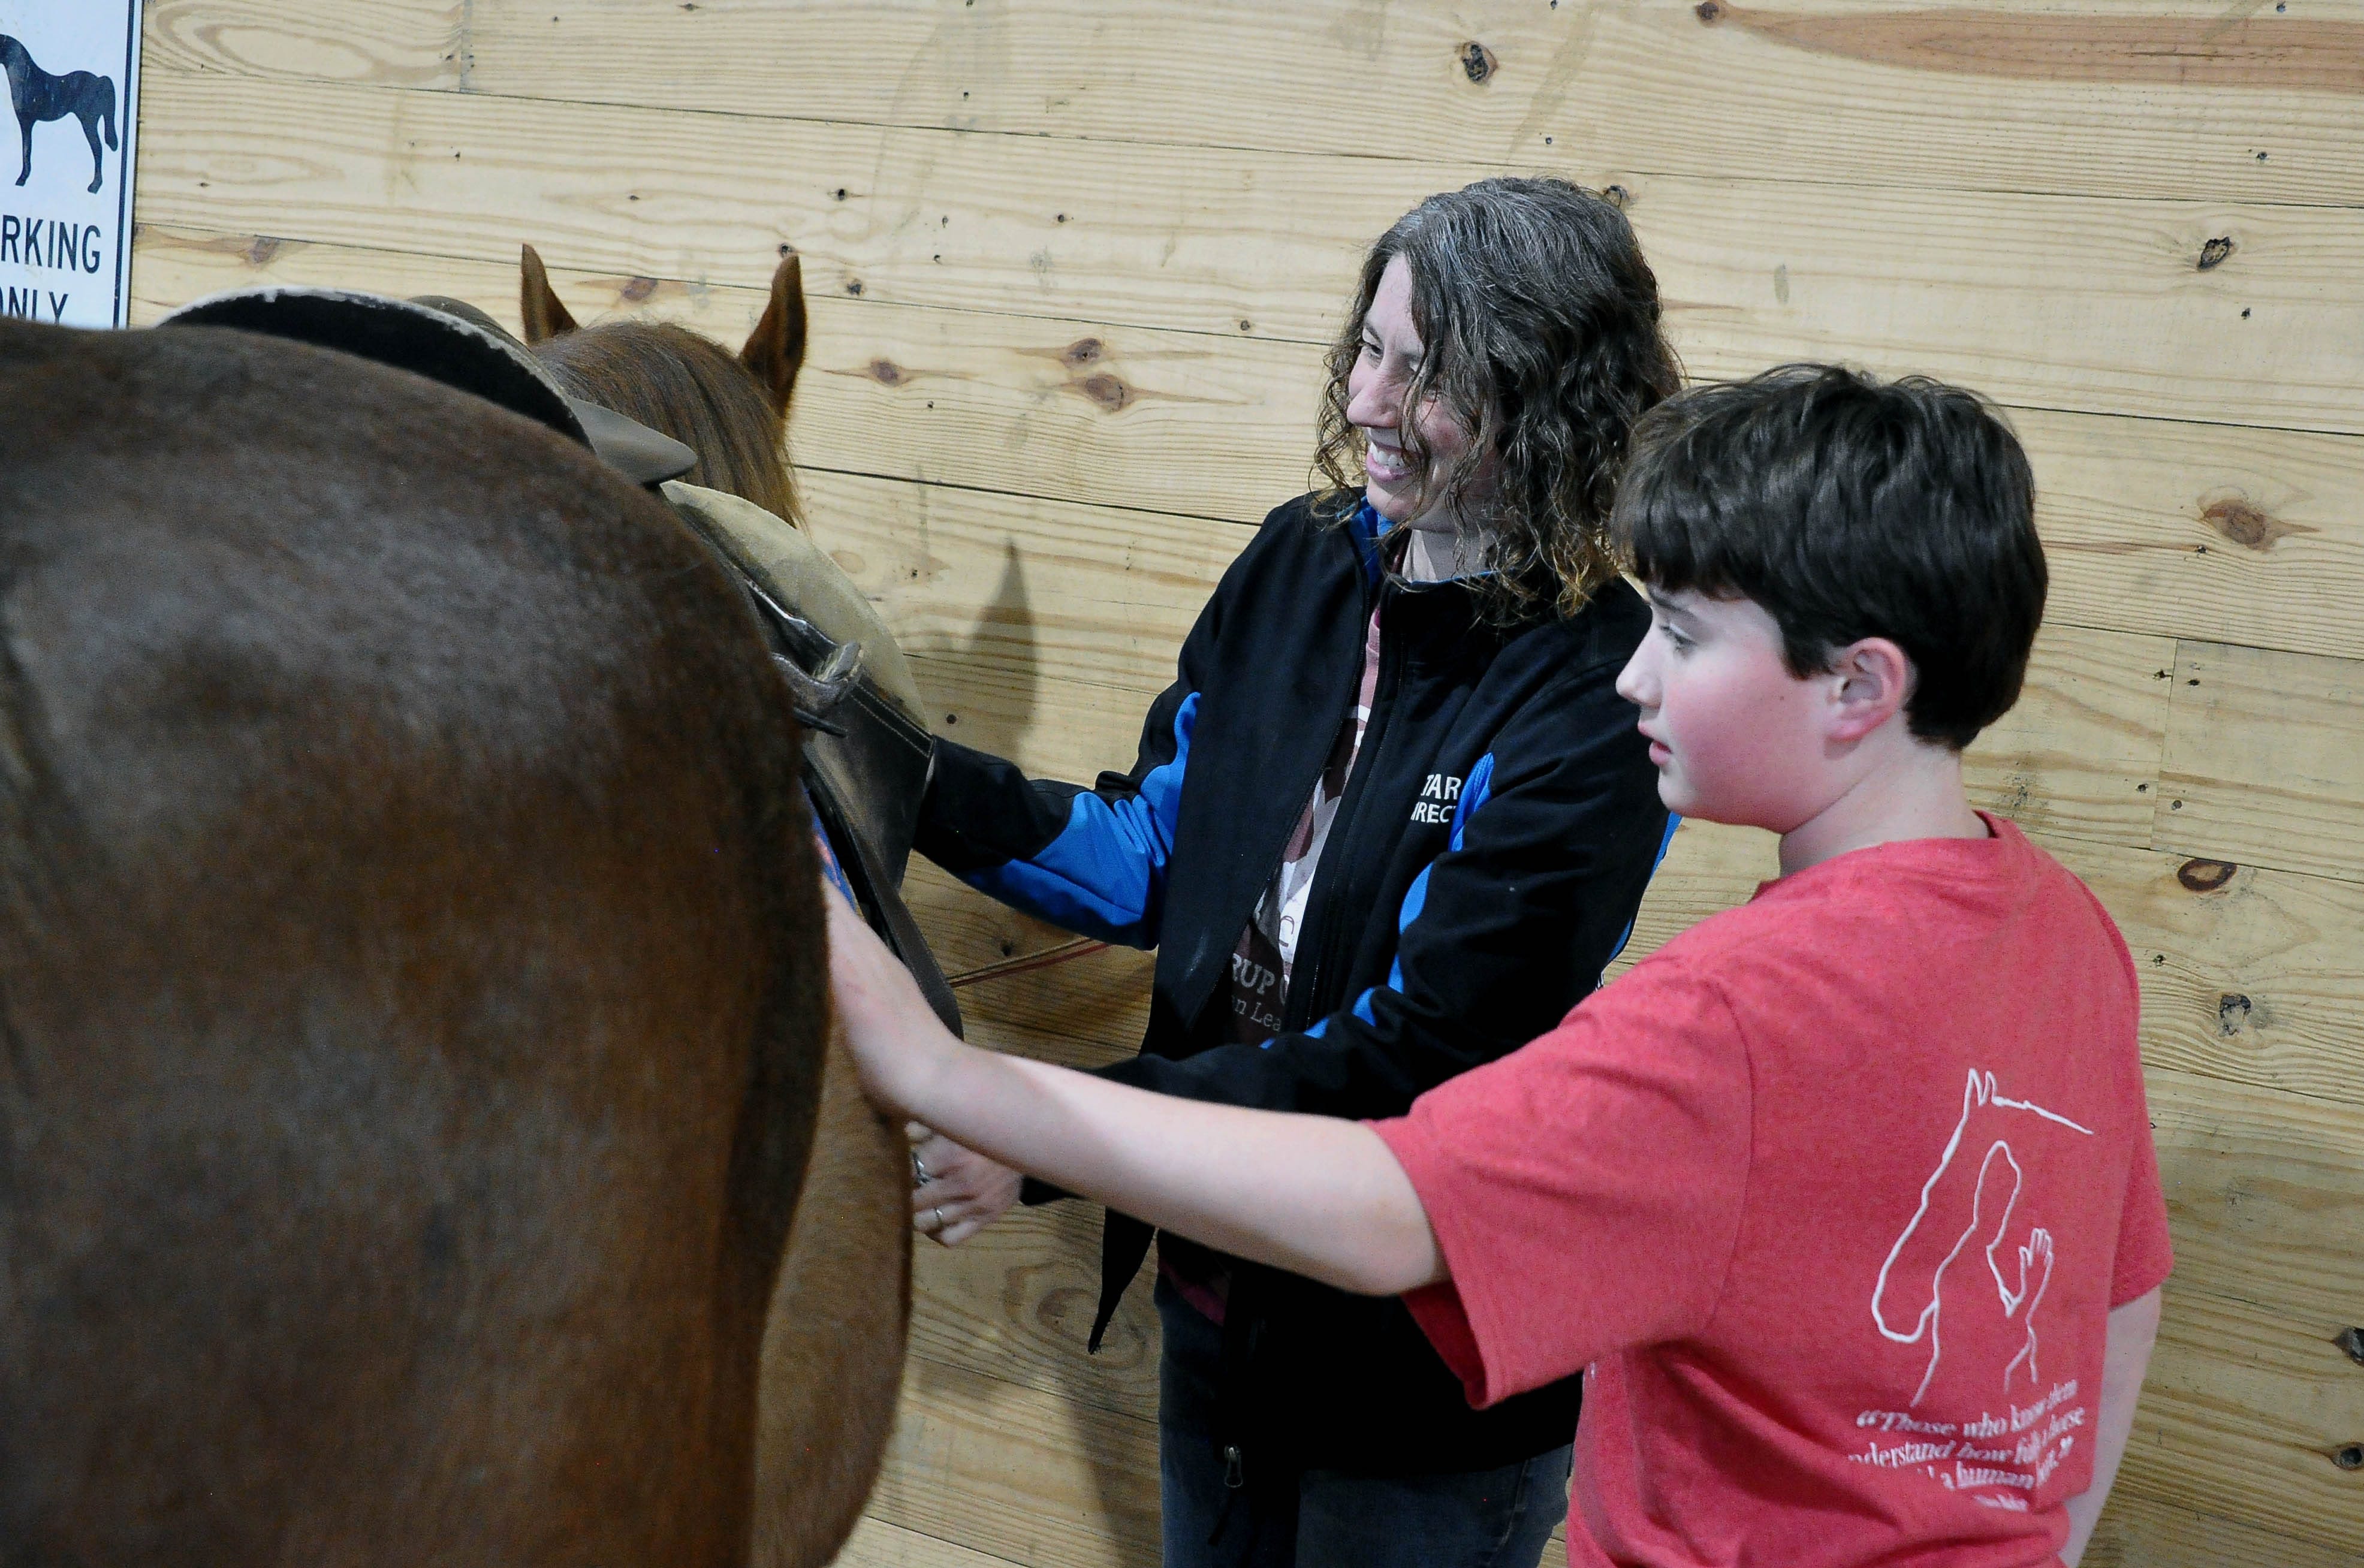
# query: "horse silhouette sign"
71,65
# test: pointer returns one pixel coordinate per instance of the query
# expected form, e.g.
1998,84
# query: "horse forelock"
401,881
673,380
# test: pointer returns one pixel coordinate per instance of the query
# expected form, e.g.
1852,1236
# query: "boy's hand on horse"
957,1192
1312,1195
897,1041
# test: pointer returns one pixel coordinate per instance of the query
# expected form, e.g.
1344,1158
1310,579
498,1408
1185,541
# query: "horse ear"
777,351
544,315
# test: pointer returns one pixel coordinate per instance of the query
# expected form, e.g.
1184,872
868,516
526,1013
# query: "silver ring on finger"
939,1213
919,1169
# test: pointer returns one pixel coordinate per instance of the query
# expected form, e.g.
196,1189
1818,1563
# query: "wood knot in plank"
2212,254
261,252
639,289
2205,876
1084,352
887,372
1617,197
2248,525
1108,391
1478,61
2350,1341
2348,1457
2233,1011
1708,11
1063,1307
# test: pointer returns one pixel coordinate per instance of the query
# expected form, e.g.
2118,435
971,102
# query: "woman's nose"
1367,404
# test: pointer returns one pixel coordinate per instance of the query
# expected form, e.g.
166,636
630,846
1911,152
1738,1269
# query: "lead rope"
1066,953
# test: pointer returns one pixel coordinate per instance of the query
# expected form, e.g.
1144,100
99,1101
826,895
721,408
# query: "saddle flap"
878,768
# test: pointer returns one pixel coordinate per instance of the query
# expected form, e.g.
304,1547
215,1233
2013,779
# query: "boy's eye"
1674,637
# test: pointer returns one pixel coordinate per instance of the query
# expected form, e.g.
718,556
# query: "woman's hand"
897,1041
959,1192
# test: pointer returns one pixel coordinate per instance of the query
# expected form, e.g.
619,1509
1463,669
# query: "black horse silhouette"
37,95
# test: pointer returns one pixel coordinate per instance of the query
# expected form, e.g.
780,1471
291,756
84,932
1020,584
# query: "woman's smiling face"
1375,404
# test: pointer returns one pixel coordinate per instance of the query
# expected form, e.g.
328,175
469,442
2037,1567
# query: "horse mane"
410,976
671,379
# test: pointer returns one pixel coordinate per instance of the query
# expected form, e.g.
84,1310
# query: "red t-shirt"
1832,1195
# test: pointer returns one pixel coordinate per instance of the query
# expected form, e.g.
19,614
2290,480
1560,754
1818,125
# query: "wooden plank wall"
1073,262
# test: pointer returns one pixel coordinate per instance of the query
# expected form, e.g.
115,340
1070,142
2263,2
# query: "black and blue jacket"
1498,829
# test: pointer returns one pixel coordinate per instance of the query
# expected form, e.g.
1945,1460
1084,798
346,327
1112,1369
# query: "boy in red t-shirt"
1846,1196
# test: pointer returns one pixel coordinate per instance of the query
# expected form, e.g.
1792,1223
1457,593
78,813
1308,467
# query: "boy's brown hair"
1851,509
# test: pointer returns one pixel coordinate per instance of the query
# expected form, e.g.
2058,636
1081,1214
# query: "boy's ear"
538,304
777,351
1870,681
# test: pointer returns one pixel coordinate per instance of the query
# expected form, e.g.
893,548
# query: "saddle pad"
800,574
865,783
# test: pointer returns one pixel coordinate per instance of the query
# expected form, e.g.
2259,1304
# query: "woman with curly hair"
1390,821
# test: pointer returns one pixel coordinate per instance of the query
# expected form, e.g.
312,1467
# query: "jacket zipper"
1309,987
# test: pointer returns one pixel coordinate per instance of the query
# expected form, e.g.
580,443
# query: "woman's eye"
1370,349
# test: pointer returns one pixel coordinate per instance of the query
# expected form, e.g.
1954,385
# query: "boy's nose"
1631,684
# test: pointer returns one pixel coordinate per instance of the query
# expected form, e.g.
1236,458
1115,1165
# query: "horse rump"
414,998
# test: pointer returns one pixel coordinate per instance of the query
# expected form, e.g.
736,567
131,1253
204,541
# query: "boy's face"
1736,738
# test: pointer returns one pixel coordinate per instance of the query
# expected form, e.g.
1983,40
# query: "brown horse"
841,1312
411,1005
732,412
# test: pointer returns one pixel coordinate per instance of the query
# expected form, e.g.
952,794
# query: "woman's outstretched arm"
1311,1194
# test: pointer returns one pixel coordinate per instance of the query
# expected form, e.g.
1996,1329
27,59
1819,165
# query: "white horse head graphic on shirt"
1969,1200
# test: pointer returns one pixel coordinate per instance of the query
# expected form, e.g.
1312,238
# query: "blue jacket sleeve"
1553,840
1091,861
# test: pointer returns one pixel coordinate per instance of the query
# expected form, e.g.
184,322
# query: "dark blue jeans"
1487,1519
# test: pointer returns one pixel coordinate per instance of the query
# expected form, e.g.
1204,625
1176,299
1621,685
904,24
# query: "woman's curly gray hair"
1539,324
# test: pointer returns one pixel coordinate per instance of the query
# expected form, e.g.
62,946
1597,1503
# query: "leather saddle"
867,751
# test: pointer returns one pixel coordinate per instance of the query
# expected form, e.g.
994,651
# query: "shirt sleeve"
1091,861
1585,1190
2145,1256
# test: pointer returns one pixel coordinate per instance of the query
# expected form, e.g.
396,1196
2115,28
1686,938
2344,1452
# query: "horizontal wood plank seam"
1495,165
1030,495
854,303
919,1353
884,1523
2247,1526
2063,410
2199,1291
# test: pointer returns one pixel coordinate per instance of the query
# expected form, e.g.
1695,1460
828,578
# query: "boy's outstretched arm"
2133,1328
1311,1194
